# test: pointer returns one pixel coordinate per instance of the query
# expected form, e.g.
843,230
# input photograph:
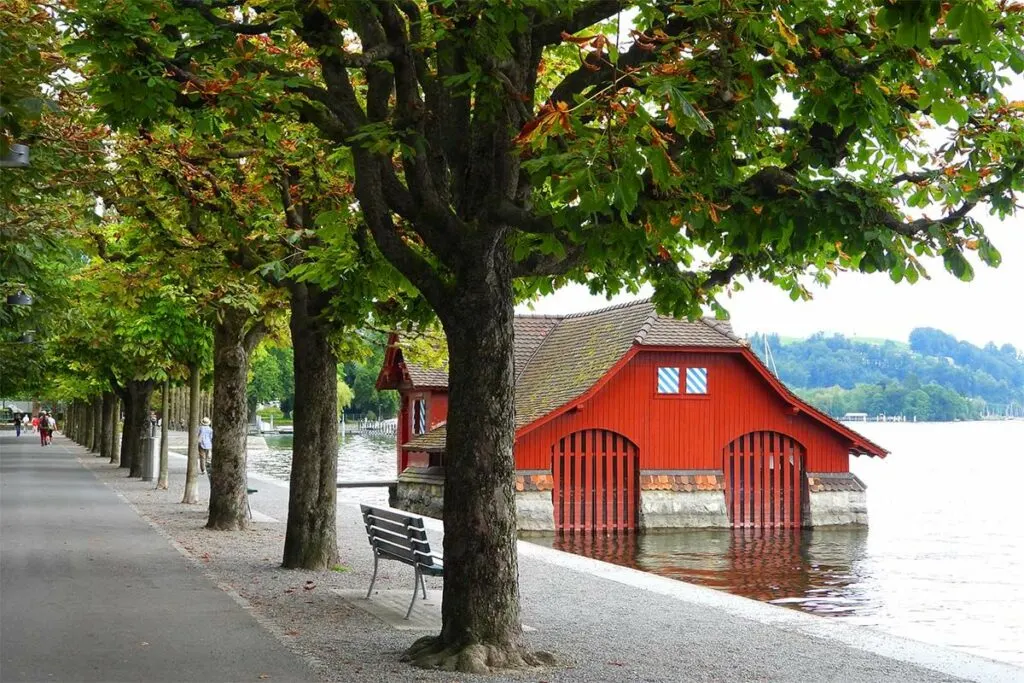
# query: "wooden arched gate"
596,482
764,475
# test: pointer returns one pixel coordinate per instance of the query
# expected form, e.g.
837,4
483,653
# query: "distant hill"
933,377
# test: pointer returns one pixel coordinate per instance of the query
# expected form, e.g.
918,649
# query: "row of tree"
936,378
207,173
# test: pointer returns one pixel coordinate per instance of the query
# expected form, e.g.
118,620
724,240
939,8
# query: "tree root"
431,652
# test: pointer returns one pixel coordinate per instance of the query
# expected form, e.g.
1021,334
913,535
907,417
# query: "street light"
16,157
19,299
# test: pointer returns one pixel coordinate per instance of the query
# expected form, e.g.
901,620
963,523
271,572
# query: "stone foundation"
421,491
835,499
672,499
683,499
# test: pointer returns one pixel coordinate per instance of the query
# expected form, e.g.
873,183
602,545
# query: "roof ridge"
626,304
641,334
539,316
728,334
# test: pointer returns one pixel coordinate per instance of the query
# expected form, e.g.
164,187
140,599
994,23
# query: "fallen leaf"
293,632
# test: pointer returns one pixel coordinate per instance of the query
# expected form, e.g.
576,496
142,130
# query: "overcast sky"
990,308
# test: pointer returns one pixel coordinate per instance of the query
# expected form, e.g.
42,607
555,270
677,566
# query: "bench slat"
404,529
398,539
392,516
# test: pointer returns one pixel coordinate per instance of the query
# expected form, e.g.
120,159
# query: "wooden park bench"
401,537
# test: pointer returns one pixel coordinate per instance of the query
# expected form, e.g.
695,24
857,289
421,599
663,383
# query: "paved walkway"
608,623
90,592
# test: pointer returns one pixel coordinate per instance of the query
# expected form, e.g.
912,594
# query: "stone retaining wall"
669,499
835,499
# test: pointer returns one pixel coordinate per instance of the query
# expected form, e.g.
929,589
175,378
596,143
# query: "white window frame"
697,381
664,379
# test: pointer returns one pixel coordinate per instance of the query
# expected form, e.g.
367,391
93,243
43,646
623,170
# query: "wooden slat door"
596,482
764,480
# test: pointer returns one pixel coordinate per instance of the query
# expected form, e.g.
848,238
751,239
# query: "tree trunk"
311,540
136,424
115,425
96,417
86,425
106,433
192,468
163,481
125,457
232,344
481,628
69,428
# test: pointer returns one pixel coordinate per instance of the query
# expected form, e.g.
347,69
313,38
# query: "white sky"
989,308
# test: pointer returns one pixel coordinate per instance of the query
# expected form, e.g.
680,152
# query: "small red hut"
627,419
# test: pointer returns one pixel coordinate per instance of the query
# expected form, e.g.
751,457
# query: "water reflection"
817,571
360,458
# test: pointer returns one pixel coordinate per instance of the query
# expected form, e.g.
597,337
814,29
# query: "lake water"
942,560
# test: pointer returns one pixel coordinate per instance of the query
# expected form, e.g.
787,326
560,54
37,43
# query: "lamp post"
16,157
19,299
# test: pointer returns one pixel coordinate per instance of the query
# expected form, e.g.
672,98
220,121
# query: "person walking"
51,427
26,422
17,425
35,424
42,425
205,444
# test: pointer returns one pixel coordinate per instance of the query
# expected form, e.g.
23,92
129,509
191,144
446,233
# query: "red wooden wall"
437,412
687,431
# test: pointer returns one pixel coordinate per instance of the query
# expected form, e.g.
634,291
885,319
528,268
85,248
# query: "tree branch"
547,265
206,10
576,18
509,214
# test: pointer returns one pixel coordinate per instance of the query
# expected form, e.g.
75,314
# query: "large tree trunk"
163,481
115,425
233,340
125,451
137,424
96,417
106,432
192,468
481,628
87,424
311,539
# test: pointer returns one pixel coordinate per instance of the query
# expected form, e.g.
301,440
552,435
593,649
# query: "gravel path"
603,622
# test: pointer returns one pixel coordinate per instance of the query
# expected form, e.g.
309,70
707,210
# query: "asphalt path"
90,592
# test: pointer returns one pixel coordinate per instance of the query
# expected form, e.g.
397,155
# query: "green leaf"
976,28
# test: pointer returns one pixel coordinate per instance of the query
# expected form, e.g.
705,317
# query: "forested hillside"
934,377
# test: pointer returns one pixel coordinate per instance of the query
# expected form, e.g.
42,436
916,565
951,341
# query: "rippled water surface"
361,457
942,560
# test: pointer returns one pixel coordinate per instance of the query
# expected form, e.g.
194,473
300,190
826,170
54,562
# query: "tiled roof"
559,358
530,331
428,377
431,442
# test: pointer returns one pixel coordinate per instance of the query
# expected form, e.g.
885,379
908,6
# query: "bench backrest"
397,535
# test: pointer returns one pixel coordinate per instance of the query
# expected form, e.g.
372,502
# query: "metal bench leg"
374,579
415,585
423,586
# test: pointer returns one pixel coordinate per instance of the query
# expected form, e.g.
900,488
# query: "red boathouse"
627,419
